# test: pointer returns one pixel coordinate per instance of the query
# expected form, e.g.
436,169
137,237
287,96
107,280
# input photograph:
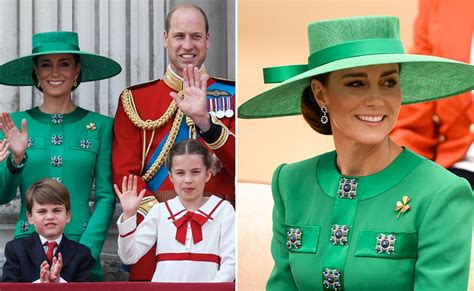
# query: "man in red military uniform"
186,103
442,130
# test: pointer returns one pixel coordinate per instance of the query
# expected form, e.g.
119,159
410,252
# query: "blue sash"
155,183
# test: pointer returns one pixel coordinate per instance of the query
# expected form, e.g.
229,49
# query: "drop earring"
75,83
324,118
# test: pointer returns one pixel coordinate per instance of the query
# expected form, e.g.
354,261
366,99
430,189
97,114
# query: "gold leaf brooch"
402,206
91,127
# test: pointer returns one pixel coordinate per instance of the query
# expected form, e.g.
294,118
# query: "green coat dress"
75,149
342,233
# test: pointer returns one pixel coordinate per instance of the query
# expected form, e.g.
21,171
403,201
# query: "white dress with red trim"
191,246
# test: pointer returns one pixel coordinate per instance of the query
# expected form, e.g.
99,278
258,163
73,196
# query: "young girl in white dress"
194,235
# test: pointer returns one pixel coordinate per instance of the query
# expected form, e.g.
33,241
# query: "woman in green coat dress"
60,140
370,215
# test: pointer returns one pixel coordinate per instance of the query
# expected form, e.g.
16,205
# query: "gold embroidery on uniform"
146,204
217,93
224,135
174,81
220,140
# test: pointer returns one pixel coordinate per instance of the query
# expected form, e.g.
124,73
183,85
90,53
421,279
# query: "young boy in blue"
47,255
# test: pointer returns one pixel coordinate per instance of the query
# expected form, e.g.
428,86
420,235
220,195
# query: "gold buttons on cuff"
436,119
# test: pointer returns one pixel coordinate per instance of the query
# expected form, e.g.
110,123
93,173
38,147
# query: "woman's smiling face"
363,102
56,74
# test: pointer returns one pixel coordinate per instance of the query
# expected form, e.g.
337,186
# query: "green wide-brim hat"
93,67
354,42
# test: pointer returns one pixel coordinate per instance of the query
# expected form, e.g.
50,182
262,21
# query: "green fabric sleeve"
9,181
281,277
104,198
14,168
444,243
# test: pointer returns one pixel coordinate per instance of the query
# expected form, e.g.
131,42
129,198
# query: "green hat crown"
345,43
332,40
18,72
327,33
53,41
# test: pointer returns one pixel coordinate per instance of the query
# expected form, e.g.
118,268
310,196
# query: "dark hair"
190,147
310,108
77,60
186,5
47,191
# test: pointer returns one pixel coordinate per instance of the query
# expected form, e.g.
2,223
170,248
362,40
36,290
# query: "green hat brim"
422,78
93,67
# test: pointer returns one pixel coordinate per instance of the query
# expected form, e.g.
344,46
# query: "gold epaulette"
146,204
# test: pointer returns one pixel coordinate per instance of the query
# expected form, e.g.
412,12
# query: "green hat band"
282,73
355,49
55,46
333,53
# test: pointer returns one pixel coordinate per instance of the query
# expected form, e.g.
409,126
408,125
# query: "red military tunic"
149,101
441,130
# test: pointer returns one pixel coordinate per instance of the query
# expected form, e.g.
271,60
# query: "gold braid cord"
192,127
166,148
146,204
131,111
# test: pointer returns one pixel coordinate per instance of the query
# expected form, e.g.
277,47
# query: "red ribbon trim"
196,220
128,233
189,257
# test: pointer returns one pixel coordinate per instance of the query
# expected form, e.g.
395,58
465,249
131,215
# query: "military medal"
229,112
220,108
212,110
